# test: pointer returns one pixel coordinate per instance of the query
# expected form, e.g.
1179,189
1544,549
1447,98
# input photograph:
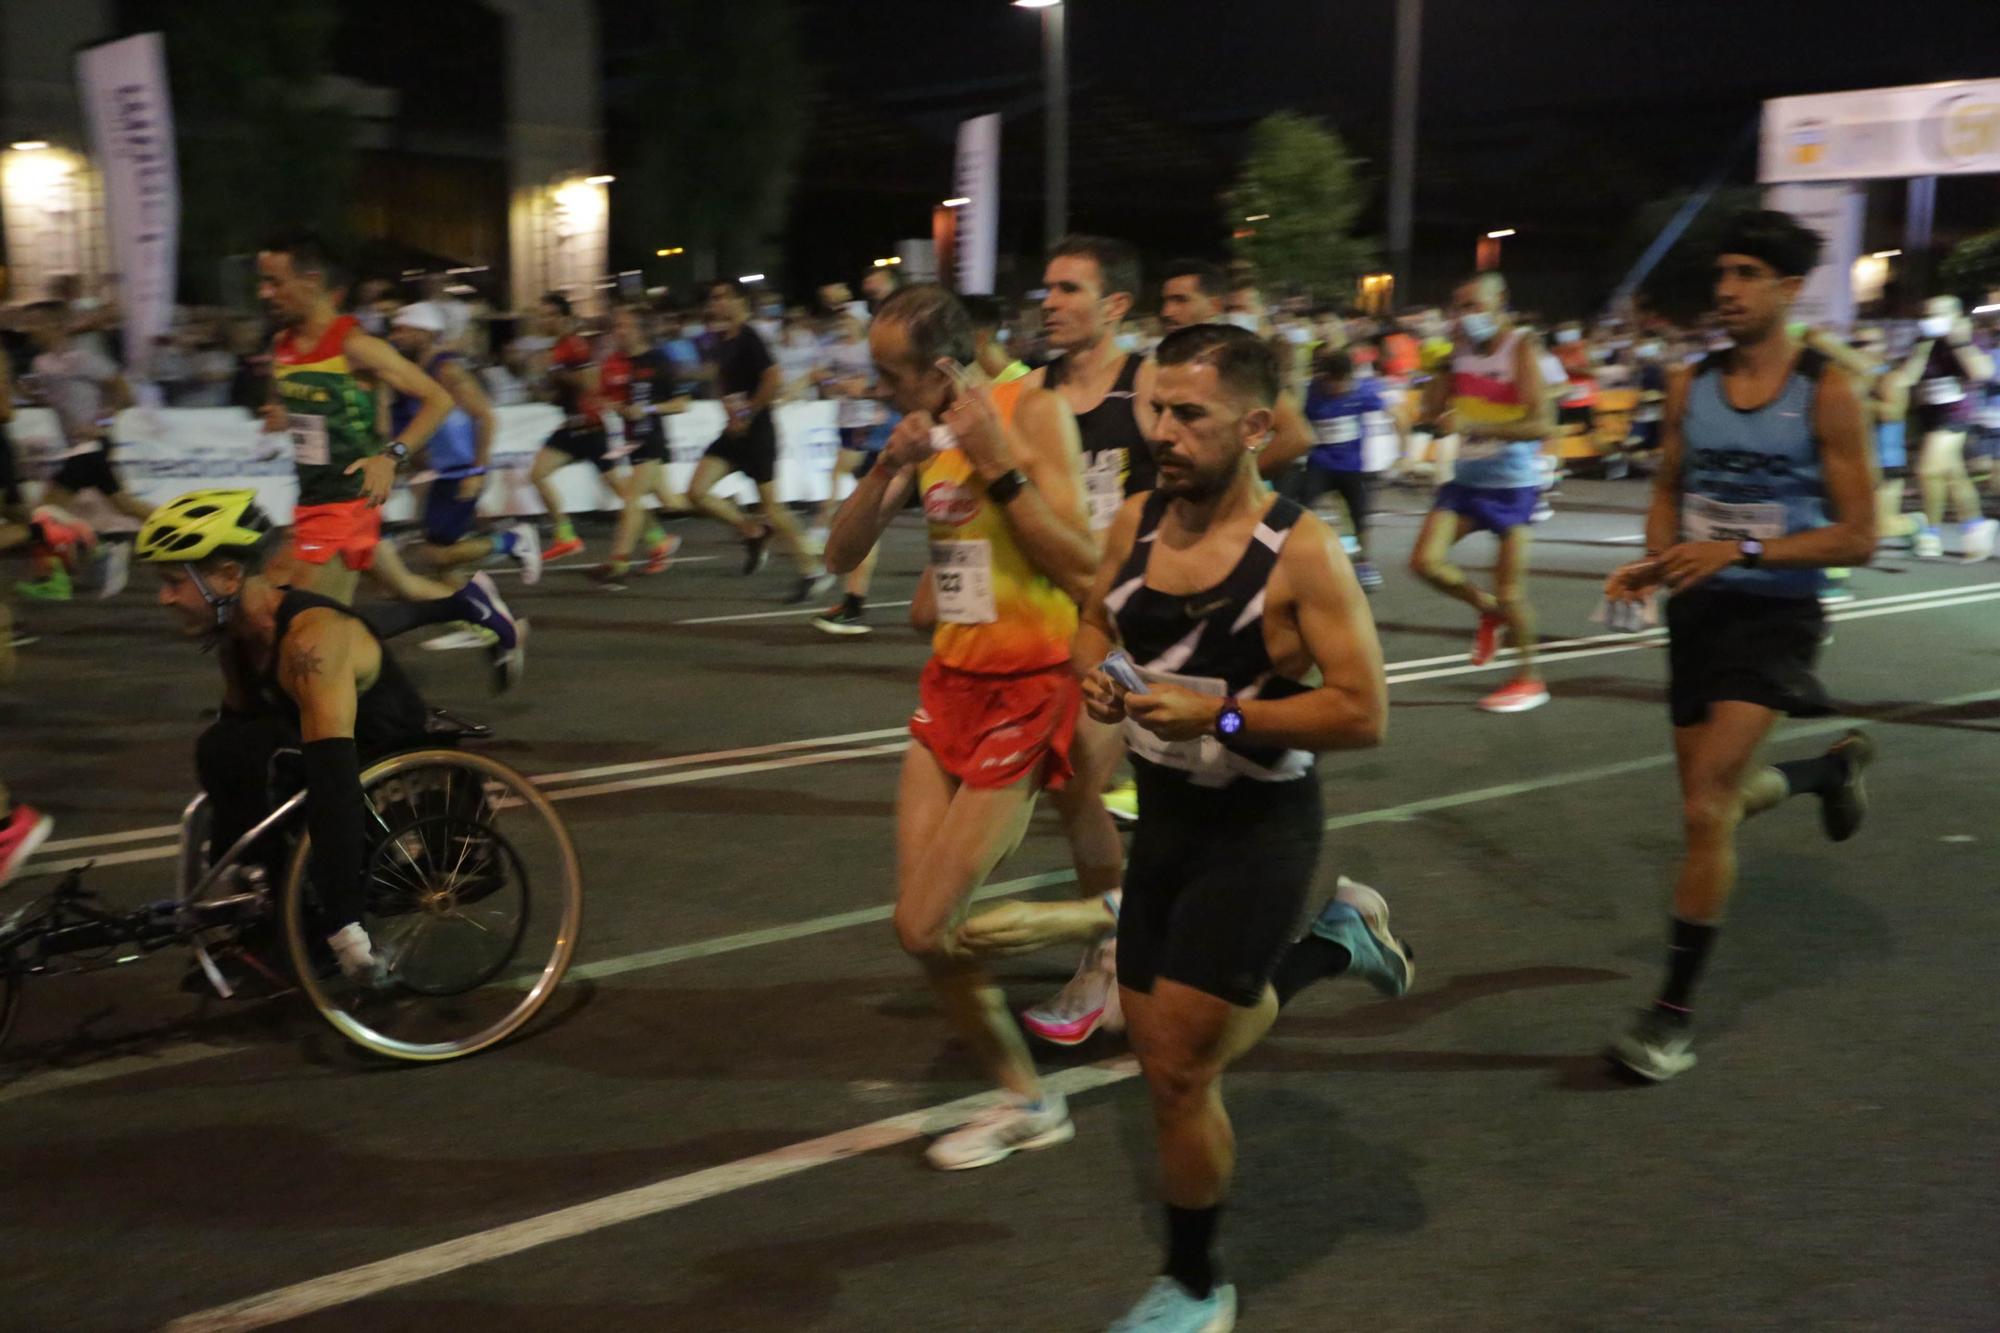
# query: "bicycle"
477,917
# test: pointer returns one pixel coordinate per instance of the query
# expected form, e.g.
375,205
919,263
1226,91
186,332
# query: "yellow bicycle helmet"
200,524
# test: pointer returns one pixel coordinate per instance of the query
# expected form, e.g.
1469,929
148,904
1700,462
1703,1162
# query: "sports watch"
399,451
1750,553
1229,722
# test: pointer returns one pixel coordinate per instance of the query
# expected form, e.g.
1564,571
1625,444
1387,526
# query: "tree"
1304,190
1972,269
714,119
258,145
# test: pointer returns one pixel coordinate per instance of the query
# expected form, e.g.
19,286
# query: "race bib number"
309,446
1337,430
1202,758
962,578
1706,520
1104,486
1940,393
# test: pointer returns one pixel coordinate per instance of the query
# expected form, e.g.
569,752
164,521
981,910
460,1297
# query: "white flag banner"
130,110
979,219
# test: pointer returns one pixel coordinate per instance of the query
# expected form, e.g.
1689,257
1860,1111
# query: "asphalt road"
719,1122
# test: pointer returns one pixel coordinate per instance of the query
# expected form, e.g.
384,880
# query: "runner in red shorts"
1000,475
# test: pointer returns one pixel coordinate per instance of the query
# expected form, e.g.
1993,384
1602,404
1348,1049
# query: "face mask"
1567,335
1934,326
1478,326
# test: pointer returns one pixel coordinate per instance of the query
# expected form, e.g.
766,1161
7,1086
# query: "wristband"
1003,488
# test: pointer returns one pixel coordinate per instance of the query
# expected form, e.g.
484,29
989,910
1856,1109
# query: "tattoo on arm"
304,667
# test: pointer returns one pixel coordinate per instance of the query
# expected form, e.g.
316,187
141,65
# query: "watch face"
1230,722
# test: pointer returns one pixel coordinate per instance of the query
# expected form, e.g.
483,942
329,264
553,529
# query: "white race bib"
962,577
1706,520
1940,392
309,446
1104,486
1337,430
1202,758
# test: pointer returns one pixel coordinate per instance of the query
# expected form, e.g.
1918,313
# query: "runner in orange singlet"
1000,474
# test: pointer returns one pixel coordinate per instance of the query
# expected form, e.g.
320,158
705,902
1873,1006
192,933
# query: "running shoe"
25,830
509,651
842,619
1122,802
1002,1130
117,571
465,636
1087,1002
1349,545
611,577
1369,576
23,637
562,546
1659,1045
1357,919
53,586
526,551
1516,696
810,586
1544,511
1975,540
1168,1307
756,550
662,553
1842,809
1928,544
1486,640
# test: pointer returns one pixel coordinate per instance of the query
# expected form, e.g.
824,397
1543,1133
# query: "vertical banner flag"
1834,210
978,221
125,97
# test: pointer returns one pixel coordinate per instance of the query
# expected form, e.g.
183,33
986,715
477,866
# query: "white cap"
420,315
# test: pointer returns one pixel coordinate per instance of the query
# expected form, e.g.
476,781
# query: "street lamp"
1055,81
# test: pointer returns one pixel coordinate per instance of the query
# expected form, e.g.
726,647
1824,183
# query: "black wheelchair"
474,899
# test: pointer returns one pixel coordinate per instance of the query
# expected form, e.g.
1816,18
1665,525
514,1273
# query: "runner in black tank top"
1227,600
388,716
1113,445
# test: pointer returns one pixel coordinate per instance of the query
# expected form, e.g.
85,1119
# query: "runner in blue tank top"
1766,478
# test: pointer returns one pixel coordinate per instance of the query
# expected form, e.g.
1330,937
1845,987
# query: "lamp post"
1403,138
1055,83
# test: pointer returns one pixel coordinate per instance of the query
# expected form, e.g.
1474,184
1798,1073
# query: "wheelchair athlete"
301,675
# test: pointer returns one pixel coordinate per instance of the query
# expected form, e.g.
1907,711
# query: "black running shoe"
842,619
756,550
1841,810
808,587
1657,1047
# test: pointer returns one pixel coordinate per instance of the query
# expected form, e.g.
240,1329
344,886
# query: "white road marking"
353,1284
770,615
1400,673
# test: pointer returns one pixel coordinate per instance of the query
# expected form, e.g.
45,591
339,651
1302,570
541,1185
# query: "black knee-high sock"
388,619
1819,775
1685,955
1191,1248
1308,960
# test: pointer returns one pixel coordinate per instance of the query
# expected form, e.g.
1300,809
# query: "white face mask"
1478,326
1934,326
1567,335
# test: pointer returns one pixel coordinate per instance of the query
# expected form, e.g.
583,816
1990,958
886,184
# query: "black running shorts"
754,453
1217,881
88,472
584,444
1724,645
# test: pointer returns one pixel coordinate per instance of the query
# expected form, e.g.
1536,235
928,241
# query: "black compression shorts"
1217,881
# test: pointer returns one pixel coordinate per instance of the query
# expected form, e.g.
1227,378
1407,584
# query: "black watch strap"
1003,488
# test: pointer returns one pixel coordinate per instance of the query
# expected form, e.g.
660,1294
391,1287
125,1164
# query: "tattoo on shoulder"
305,664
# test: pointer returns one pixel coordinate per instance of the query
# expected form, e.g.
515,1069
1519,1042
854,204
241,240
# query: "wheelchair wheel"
474,900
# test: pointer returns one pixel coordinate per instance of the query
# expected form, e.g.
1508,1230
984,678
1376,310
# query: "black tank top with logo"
1211,642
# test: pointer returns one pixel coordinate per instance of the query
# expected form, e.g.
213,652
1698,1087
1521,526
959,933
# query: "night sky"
1559,117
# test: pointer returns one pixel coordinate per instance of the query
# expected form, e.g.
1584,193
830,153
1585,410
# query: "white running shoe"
1975,540
1087,1002
118,569
1927,544
1002,1130
528,552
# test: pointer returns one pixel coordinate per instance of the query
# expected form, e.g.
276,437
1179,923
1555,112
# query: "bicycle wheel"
474,901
